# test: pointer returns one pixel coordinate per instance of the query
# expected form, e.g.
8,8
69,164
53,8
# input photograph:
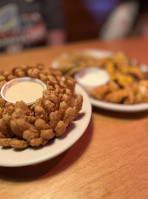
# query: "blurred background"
32,23
105,19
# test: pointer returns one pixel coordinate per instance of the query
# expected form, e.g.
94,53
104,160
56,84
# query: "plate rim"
119,107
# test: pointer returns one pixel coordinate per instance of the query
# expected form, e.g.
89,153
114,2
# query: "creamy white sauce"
92,77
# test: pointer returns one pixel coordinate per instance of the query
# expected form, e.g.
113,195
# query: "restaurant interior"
74,99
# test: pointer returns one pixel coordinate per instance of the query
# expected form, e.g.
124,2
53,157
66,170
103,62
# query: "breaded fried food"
101,91
116,96
23,125
133,94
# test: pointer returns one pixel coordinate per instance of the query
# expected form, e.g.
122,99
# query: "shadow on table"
121,115
51,167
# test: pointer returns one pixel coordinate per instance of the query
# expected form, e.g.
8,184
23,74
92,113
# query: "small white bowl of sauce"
91,77
26,89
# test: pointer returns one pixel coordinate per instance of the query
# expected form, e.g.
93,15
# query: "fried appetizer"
23,125
133,94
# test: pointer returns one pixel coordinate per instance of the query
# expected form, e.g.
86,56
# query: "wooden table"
110,160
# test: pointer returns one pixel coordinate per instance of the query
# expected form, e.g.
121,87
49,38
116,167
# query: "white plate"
106,105
29,156
112,106
119,107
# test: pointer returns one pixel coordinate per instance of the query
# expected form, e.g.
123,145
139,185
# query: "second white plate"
119,107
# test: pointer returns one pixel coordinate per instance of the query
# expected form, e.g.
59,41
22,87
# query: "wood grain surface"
110,160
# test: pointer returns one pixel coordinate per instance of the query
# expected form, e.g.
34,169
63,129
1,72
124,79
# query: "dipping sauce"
91,77
26,89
